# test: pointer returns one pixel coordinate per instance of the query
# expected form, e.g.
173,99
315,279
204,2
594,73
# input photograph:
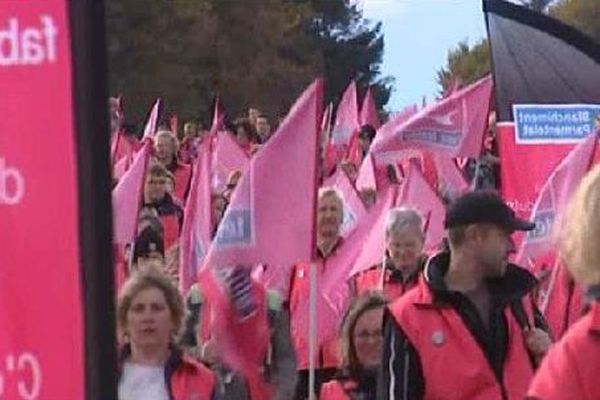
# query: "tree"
464,66
582,14
351,48
260,53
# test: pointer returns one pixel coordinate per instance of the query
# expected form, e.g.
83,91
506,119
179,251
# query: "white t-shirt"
141,382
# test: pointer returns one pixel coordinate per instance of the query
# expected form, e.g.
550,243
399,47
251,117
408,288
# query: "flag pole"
312,331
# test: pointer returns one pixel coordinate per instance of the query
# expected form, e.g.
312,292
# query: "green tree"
582,14
260,53
351,47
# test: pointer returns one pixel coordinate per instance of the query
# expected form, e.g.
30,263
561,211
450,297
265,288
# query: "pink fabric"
454,125
553,199
450,177
333,294
346,118
152,123
368,111
270,219
366,175
127,197
418,194
228,157
197,224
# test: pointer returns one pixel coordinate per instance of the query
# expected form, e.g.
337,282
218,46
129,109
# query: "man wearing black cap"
469,330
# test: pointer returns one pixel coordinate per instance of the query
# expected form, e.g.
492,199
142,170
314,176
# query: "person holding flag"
330,211
570,369
472,312
403,260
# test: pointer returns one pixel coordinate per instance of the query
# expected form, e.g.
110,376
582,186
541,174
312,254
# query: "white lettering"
12,185
28,45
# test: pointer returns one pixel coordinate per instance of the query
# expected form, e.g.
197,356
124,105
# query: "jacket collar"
516,282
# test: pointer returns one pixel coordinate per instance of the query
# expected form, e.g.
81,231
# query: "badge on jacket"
438,338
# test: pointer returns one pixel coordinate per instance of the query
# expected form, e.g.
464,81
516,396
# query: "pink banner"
41,340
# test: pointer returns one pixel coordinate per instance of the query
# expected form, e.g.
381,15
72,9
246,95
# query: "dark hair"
367,131
245,124
456,236
369,301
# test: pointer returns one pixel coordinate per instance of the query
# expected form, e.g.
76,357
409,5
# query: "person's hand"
538,342
208,353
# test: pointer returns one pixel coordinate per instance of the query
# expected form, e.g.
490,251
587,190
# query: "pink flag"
121,167
270,219
218,116
454,126
197,222
451,180
228,157
127,197
151,124
554,197
354,209
366,174
417,193
346,119
368,111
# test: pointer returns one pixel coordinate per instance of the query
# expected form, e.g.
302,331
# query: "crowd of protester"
462,323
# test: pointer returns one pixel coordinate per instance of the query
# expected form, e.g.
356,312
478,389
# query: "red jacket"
183,175
451,360
393,287
191,380
186,378
570,370
328,355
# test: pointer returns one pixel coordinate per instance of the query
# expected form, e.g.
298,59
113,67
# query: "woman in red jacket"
362,342
570,370
150,314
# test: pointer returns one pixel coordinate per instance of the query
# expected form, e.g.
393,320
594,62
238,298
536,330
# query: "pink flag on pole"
270,219
218,116
121,167
366,174
228,157
152,123
346,119
417,193
368,111
454,126
553,198
127,197
450,178
197,221
354,209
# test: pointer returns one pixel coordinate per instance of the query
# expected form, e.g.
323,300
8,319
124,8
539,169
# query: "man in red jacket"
469,330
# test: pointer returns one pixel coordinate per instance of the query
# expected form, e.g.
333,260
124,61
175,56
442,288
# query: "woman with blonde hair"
362,344
150,315
570,369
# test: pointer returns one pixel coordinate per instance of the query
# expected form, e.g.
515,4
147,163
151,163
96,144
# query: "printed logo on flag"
554,123
444,129
28,45
236,228
341,134
544,221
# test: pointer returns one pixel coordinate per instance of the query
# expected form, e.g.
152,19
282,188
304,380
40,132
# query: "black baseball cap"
482,206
